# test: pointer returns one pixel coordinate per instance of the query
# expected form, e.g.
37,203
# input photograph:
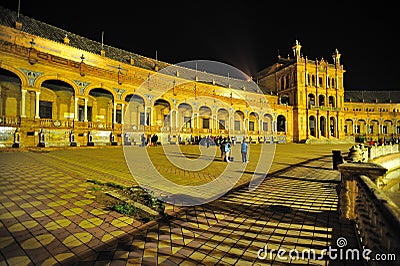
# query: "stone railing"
377,151
376,216
9,121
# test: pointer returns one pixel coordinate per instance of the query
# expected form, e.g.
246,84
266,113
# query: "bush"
126,209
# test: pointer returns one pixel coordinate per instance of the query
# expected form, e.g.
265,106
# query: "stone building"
60,89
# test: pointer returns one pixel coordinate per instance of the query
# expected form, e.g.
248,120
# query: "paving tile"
228,230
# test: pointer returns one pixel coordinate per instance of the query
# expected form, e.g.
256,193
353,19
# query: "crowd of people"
225,144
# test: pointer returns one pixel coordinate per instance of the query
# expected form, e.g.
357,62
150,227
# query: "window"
265,126
45,109
81,113
237,124
371,130
287,81
118,116
331,101
281,123
321,100
285,100
251,125
311,99
206,123
186,122
221,124
345,129
320,83
142,116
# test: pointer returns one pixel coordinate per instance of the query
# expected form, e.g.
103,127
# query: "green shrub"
126,209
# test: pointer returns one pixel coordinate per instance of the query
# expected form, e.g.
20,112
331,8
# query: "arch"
128,96
161,113
222,118
312,125
185,111
56,80
61,104
281,123
373,127
348,126
10,94
205,115
238,119
103,109
253,122
135,117
21,75
89,88
134,98
205,111
267,122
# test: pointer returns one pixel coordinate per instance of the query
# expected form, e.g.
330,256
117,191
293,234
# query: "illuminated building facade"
60,89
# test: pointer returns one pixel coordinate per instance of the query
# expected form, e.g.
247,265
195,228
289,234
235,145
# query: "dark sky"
246,35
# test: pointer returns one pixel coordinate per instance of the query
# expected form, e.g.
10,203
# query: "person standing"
222,148
243,150
227,151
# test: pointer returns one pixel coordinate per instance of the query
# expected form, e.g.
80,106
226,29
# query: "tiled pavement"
49,217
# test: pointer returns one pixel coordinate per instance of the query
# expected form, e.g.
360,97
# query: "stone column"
171,119
37,93
23,100
176,120
85,112
115,113
122,113
145,116
151,116
76,109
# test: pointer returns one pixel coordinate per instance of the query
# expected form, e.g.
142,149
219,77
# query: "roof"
372,96
44,30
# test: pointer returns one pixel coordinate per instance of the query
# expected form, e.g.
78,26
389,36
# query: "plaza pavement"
49,217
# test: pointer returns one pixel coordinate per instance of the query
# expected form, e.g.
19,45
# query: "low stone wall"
377,219
377,151
376,216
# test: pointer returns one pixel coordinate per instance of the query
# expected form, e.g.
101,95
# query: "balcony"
9,121
324,108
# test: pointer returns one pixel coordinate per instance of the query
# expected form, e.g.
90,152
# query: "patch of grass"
95,188
115,185
126,209
95,181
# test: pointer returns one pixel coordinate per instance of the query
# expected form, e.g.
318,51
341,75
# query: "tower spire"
296,50
336,57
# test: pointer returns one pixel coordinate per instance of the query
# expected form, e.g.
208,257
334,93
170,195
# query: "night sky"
247,35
